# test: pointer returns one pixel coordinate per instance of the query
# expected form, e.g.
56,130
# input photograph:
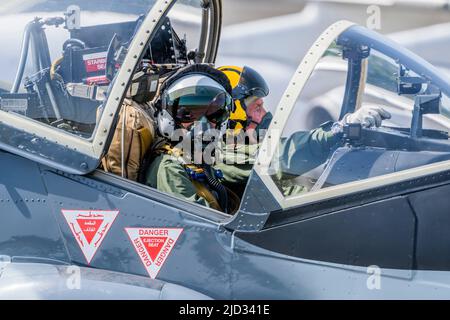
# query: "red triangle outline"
133,237
66,213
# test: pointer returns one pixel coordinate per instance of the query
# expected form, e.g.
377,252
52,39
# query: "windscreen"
55,66
396,86
15,15
307,140
369,109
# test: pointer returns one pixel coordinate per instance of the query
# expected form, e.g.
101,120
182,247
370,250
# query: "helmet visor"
191,104
251,83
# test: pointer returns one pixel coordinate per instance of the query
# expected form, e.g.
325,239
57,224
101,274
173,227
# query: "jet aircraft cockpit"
70,72
355,68
326,201
65,89
60,106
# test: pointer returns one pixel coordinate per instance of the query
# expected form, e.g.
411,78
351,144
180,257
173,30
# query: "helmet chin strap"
243,104
245,107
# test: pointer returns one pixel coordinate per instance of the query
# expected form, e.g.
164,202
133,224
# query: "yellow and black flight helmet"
245,82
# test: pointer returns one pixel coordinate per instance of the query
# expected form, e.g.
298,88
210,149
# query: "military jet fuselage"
371,220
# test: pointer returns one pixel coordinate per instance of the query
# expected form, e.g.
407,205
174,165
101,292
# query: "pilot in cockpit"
250,121
250,115
198,100
193,103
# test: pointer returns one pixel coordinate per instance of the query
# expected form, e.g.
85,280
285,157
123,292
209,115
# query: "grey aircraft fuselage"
384,240
321,252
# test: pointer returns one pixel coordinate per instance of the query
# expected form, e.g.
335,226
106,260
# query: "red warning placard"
95,62
153,245
89,227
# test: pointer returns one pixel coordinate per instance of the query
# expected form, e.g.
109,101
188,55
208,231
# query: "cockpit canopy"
303,160
57,80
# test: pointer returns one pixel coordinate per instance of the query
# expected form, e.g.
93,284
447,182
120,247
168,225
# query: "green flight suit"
167,174
299,153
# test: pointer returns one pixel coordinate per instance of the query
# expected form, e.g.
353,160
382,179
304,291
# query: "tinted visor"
250,84
191,104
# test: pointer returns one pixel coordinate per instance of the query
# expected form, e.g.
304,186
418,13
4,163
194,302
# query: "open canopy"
63,83
303,161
